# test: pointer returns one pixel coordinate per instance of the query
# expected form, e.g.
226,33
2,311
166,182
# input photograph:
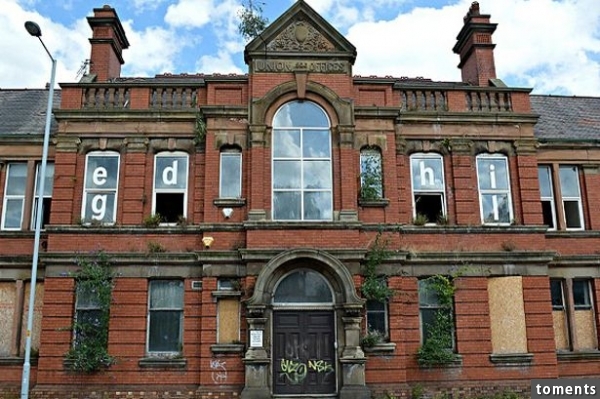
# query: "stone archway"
348,312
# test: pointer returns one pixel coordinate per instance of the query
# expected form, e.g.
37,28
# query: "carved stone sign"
283,66
301,36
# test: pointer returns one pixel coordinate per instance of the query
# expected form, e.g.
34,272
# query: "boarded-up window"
8,298
507,315
229,320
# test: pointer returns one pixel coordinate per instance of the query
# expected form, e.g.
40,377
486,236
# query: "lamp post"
34,30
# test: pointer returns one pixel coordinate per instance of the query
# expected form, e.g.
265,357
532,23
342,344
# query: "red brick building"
301,230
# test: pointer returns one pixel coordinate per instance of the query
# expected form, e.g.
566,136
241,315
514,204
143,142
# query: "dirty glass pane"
304,286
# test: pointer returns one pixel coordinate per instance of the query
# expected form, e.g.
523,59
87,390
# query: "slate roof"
567,118
23,112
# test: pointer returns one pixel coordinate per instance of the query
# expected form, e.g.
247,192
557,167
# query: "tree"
252,22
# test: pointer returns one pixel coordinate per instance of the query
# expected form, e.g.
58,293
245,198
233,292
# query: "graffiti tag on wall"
296,371
219,371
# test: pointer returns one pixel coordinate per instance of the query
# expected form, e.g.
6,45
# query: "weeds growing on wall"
94,284
374,286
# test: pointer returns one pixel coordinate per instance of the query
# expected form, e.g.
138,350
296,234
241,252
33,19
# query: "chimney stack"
475,47
108,42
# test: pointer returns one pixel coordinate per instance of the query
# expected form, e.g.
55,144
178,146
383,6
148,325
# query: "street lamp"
34,30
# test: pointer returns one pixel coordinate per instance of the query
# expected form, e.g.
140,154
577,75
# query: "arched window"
301,173
303,286
100,187
493,178
170,186
371,174
428,187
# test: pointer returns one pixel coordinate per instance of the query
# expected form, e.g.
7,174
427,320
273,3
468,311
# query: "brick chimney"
475,47
108,42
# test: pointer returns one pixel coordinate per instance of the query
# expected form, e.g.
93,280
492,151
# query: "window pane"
303,286
100,207
286,174
569,181
557,295
581,294
286,205
427,295
166,294
427,174
286,144
13,213
430,206
492,173
376,322
317,174
48,182
17,178
572,214
171,172
427,321
317,205
548,214
495,208
102,172
88,324
305,114
164,331
315,144
230,175
545,181
87,296
169,206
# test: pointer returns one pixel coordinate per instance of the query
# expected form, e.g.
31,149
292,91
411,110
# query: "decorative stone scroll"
301,36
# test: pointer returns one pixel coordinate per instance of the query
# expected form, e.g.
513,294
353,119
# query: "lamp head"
33,29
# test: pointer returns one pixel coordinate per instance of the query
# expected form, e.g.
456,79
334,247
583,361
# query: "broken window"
428,186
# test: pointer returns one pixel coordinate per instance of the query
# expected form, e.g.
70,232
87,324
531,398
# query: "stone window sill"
373,203
575,356
17,361
227,348
456,363
229,202
383,347
511,359
226,294
162,363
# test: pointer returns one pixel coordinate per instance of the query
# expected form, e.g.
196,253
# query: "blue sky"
552,46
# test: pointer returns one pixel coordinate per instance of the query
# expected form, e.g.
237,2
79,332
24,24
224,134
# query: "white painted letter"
99,207
427,175
99,176
169,174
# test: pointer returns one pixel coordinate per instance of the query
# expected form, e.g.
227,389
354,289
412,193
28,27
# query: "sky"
550,46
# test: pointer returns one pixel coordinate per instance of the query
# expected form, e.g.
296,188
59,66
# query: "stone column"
256,360
352,375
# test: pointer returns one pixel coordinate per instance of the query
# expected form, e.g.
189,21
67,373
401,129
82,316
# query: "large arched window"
302,188
303,286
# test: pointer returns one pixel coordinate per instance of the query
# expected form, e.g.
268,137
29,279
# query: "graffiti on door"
295,371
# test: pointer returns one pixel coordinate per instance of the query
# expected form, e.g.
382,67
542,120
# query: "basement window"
170,186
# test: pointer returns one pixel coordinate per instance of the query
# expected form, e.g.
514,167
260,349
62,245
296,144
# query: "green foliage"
155,247
437,346
153,220
420,219
371,182
372,338
199,128
89,352
374,286
252,21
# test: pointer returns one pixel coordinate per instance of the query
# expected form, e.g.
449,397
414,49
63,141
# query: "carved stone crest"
301,36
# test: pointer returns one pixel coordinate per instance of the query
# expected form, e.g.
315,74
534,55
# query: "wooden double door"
304,358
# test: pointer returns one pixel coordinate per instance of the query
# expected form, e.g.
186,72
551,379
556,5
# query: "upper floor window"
371,176
100,187
428,187
46,196
571,197
170,186
17,188
230,182
547,196
301,172
494,189
563,199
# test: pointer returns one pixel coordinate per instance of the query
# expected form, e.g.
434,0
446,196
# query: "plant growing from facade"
374,286
436,349
252,21
199,128
94,284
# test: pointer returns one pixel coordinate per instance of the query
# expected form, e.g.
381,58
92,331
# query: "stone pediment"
300,33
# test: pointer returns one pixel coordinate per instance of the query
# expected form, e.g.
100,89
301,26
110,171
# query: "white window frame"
415,158
302,159
545,198
384,312
184,190
36,196
100,191
571,198
495,191
172,309
13,197
225,154
435,306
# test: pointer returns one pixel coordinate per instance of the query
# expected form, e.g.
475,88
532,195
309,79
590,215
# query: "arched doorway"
304,358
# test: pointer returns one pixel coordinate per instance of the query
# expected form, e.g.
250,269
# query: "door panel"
303,352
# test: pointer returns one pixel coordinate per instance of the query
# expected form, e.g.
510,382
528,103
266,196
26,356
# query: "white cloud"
220,63
190,13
